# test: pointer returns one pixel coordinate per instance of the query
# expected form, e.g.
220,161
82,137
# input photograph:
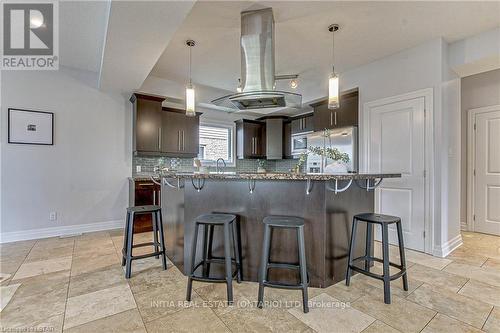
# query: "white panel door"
396,145
487,167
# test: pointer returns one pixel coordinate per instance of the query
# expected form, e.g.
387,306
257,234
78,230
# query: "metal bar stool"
296,223
128,239
384,221
209,221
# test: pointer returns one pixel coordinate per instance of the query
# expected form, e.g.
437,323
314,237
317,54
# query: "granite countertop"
144,177
279,176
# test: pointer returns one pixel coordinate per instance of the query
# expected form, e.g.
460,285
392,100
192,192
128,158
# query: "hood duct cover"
257,67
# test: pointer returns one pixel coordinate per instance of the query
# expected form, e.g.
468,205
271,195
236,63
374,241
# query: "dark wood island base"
328,219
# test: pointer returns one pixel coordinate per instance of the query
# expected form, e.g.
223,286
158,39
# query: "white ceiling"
82,29
369,31
137,34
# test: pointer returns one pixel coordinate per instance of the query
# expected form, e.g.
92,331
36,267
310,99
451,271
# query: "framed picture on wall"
30,127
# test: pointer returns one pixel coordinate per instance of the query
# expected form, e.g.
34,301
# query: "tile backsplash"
148,163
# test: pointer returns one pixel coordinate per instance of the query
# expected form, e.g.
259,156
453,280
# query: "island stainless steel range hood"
257,68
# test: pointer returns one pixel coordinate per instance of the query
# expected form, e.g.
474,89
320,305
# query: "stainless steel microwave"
299,143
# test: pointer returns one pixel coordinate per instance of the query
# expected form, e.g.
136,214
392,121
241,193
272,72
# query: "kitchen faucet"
217,164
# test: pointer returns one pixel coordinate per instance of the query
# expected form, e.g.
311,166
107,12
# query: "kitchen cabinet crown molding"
151,97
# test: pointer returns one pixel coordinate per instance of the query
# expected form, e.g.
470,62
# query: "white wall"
478,90
476,54
83,176
421,67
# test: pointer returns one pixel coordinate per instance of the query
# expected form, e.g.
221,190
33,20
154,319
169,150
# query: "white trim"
471,156
14,236
448,247
428,95
464,226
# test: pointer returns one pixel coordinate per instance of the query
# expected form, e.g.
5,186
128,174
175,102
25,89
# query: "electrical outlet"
53,216
137,168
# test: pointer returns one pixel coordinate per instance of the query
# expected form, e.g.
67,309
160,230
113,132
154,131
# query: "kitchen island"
326,202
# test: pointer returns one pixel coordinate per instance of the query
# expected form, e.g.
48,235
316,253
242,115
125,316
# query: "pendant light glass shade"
190,101
333,80
333,91
190,93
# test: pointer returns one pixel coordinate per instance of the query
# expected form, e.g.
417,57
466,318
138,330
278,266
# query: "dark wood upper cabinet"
191,135
250,139
147,123
346,115
287,139
302,124
180,133
163,131
172,123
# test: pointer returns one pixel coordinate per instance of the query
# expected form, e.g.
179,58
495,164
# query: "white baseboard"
15,236
448,247
464,226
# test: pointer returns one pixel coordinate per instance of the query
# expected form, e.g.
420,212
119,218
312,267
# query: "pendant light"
190,94
333,80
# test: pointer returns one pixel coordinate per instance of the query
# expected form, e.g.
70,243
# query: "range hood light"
333,81
293,83
190,93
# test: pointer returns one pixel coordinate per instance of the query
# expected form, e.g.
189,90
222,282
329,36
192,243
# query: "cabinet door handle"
154,197
183,142
179,140
159,138
331,118
335,118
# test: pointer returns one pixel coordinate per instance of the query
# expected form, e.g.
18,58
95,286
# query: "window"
216,141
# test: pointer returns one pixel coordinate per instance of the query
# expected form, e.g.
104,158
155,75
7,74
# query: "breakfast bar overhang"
326,202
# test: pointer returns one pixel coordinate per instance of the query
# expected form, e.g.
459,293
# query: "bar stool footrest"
216,260
281,285
367,258
142,256
146,244
209,279
377,276
282,265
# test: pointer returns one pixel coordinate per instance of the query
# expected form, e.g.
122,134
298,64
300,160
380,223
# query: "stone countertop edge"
278,176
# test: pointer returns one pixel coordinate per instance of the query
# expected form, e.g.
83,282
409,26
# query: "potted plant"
298,167
335,161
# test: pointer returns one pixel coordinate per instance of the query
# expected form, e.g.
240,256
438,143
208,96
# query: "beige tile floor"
77,285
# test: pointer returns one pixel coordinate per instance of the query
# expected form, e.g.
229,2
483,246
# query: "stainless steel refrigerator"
344,139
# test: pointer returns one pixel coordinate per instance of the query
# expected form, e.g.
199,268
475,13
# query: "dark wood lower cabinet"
328,224
144,193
